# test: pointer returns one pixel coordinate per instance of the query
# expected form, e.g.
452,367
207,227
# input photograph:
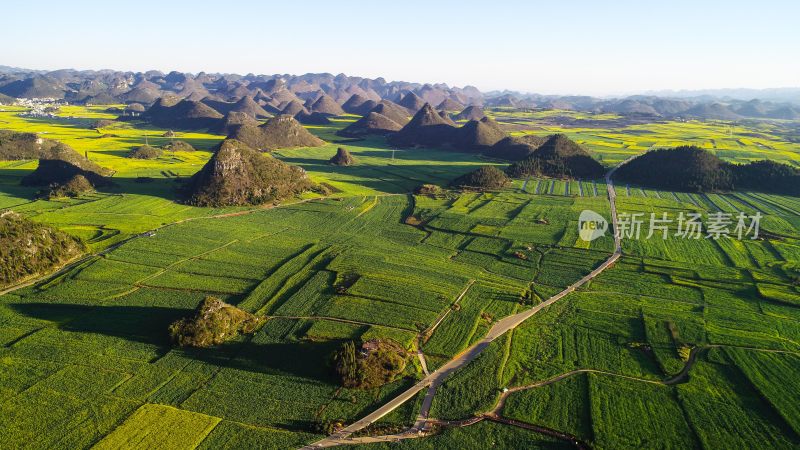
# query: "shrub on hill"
428,189
559,145
449,104
144,152
76,186
102,123
515,148
558,157
179,146
325,104
212,323
28,248
59,163
239,175
690,168
358,104
768,176
342,158
14,146
478,134
486,177
369,365
686,168
412,102
293,107
248,105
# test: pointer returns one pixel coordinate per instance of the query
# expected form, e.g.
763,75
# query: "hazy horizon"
582,49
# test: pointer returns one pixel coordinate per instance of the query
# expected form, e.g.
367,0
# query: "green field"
613,142
733,299
85,358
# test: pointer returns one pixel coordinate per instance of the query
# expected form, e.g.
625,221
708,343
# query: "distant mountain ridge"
334,94
782,94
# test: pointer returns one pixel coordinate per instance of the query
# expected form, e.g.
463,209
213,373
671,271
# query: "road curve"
501,327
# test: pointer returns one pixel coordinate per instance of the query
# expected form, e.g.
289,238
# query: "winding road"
434,379
500,328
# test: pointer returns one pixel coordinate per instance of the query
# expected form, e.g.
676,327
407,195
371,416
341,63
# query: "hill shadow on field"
11,184
149,325
166,188
405,177
158,140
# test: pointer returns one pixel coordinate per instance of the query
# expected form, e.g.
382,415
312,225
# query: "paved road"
500,328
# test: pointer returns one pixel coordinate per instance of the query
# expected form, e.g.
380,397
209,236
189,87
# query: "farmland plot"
359,272
85,357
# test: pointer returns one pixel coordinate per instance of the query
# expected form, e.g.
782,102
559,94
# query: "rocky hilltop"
239,175
281,131
29,248
426,128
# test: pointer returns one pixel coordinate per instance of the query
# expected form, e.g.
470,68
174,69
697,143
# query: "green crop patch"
632,414
732,411
482,435
233,435
156,426
680,343
774,375
470,318
473,390
563,405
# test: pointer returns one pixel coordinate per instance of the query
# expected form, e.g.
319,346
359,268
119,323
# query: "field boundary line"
500,328
335,319
87,256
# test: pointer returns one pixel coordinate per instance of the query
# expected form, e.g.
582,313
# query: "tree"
486,177
346,365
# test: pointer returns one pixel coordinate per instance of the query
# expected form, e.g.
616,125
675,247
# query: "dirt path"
425,335
436,378
421,426
422,362
501,402
678,378
501,327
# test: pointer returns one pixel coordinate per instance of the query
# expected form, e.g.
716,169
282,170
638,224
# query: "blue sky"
565,47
